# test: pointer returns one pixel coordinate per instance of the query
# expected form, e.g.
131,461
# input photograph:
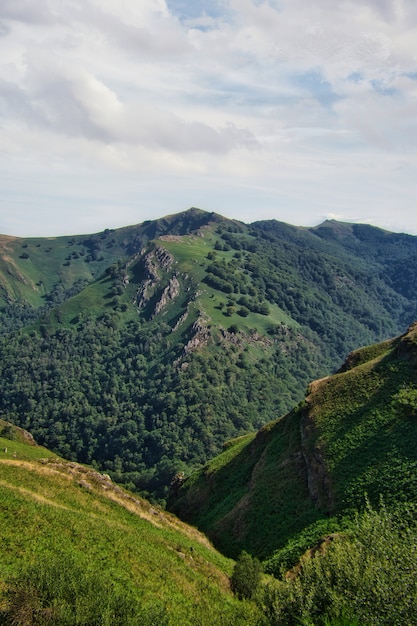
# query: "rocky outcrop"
14,433
318,479
170,292
164,259
154,261
200,335
180,321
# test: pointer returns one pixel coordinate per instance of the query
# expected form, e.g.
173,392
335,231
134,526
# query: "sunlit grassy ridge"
44,270
366,426
52,507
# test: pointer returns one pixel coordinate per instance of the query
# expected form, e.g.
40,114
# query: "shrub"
246,576
406,401
367,577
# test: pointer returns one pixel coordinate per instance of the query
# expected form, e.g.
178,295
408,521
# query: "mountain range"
141,350
215,367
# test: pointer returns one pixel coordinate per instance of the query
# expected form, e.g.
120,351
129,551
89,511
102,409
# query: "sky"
113,112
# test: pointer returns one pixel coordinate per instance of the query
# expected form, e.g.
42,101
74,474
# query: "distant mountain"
39,273
276,492
143,349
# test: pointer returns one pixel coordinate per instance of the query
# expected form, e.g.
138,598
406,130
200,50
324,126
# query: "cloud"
273,98
77,104
27,11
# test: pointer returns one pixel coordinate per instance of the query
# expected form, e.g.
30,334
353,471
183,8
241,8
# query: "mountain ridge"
143,349
350,439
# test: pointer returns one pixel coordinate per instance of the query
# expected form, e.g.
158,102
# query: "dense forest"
143,350
108,396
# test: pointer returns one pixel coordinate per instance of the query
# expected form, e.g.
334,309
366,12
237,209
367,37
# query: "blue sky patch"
318,88
382,88
355,77
191,10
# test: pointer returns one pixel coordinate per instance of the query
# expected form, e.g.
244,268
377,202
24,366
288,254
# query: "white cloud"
288,104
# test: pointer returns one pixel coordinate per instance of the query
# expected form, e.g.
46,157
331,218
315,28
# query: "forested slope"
150,346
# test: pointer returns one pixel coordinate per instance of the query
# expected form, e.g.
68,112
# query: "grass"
31,268
90,299
49,506
16,450
359,431
365,437
254,495
38,264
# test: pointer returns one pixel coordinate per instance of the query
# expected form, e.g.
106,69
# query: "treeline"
346,299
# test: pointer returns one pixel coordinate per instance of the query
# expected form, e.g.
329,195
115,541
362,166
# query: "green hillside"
353,437
76,549
142,350
37,274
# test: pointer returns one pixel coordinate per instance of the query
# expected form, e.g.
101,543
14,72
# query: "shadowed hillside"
353,435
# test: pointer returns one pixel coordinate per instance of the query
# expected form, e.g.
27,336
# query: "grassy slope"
190,254
191,257
31,268
49,506
366,432
358,427
254,495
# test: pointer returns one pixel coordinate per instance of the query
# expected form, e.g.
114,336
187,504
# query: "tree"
246,576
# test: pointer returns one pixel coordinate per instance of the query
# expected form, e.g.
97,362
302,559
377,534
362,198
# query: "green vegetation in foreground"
364,576
78,550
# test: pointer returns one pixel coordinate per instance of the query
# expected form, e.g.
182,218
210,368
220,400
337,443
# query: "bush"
367,577
246,576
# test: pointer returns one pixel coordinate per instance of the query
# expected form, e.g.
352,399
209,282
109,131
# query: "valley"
142,350
256,380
